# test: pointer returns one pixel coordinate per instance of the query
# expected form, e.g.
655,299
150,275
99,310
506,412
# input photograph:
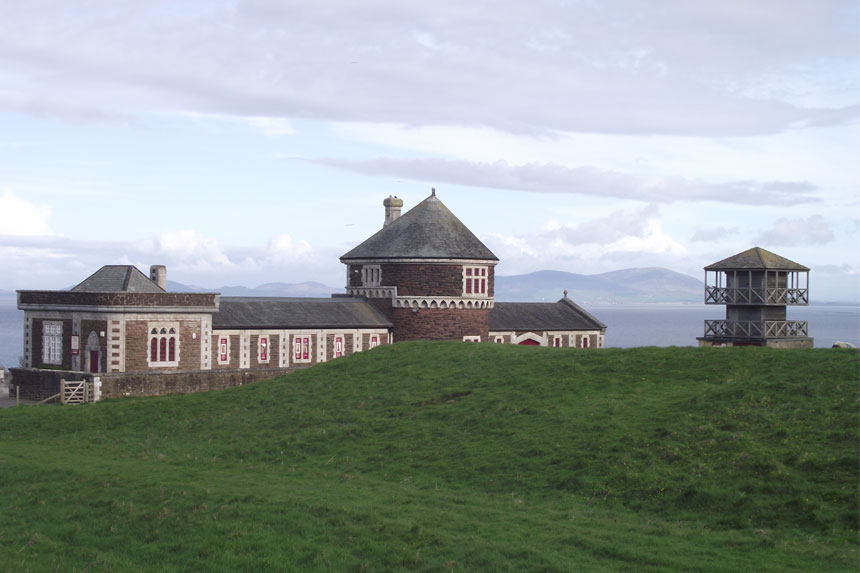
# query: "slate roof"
427,231
283,312
756,258
117,278
536,316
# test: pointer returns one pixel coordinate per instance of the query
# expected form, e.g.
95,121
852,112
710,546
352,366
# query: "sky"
248,142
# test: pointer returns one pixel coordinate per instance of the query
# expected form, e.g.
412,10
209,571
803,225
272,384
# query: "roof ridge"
127,277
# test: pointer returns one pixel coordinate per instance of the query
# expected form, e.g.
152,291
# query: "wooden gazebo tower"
756,286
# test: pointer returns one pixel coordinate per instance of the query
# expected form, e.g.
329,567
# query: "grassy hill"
451,456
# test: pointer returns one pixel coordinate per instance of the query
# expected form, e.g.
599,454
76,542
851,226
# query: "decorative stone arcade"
756,286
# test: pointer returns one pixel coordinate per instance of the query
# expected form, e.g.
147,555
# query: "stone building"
423,276
756,286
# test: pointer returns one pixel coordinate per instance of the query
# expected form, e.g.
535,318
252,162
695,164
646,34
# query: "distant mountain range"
306,289
624,286
627,286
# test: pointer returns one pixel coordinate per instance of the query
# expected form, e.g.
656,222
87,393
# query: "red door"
529,342
94,360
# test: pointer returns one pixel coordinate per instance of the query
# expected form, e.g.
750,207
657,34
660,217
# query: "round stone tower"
427,272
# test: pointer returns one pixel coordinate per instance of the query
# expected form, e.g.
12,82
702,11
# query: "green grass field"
452,456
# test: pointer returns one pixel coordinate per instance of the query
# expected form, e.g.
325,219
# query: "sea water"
627,325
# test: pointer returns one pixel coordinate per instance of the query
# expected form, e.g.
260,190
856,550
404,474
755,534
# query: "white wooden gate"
80,391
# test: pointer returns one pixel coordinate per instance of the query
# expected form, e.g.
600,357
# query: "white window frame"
52,342
223,349
373,341
371,275
476,280
305,348
556,341
471,339
263,341
163,330
498,339
334,349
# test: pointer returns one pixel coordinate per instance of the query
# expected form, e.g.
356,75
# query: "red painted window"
264,349
374,341
162,349
302,348
171,350
338,346
474,280
153,350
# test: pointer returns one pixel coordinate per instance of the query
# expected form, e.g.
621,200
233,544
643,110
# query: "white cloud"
713,233
20,217
188,249
730,67
283,249
554,178
271,126
635,237
812,230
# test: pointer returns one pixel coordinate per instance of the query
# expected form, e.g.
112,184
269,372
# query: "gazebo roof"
756,258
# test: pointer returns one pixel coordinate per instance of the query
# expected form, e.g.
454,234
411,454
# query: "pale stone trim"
433,302
244,349
206,343
540,339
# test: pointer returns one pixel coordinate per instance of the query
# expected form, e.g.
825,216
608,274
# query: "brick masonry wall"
234,351
435,323
424,280
137,345
274,346
330,348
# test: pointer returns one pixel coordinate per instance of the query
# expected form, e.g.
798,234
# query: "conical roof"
118,278
427,231
756,258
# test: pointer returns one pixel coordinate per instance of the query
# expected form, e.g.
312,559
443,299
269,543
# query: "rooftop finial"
565,293
433,191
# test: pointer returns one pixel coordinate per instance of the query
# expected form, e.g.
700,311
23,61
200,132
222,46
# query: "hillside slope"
454,456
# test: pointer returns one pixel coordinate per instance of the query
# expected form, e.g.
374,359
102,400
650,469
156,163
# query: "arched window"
163,344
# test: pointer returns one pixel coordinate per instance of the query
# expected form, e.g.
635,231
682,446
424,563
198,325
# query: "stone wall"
135,299
37,385
167,383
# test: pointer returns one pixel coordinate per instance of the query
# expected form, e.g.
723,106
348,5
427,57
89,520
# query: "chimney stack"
158,275
392,209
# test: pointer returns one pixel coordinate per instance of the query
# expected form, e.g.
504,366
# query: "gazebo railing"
756,296
749,329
